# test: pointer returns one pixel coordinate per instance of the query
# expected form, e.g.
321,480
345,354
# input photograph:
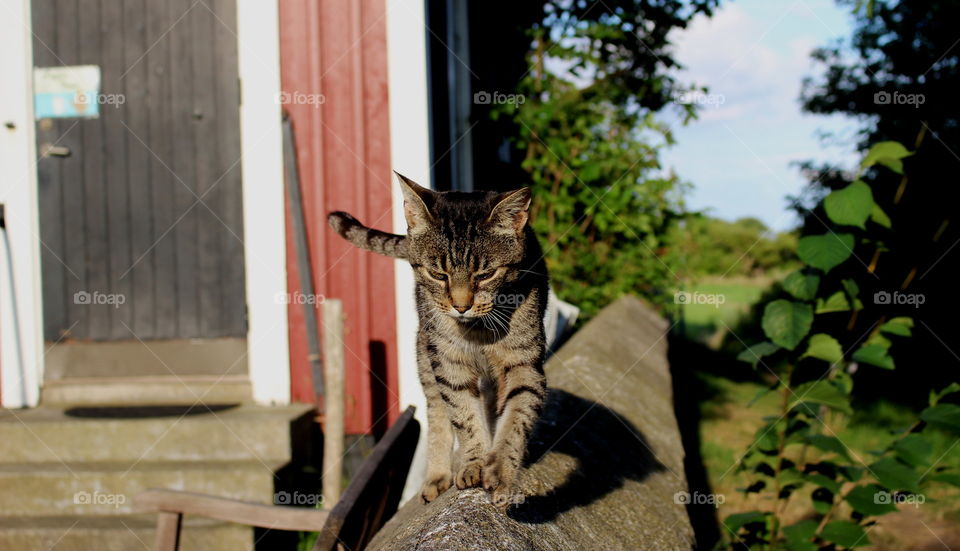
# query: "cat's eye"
483,276
439,276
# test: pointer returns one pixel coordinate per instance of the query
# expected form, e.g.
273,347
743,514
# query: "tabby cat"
481,292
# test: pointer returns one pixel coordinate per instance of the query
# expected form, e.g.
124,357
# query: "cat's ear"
416,204
511,211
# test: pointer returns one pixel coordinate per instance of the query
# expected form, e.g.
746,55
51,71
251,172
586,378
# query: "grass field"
713,305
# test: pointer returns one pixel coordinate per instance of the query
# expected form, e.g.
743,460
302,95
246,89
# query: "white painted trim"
21,331
410,155
264,226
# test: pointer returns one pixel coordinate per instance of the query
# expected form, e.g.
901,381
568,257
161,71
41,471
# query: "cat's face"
465,247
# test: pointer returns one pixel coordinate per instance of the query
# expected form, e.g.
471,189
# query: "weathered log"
605,465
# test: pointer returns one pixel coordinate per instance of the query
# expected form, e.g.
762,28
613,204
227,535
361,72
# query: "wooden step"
163,433
160,390
116,533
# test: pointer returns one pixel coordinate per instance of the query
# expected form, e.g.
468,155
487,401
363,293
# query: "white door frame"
264,215
410,156
21,309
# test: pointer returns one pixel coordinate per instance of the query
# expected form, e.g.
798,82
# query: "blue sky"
753,56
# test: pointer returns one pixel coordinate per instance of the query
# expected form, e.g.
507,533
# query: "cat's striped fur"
481,290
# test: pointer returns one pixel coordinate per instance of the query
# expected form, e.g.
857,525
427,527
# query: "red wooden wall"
337,48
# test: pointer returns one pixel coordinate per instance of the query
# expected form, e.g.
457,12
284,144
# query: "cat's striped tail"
352,230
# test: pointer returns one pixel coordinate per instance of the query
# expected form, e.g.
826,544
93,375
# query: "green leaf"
828,444
837,302
899,326
822,480
786,322
850,206
943,415
825,251
736,521
880,217
800,545
845,534
889,154
874,354
914,449
870,499
851,472
878,339
895,475
801,286
824,347
853,292
822,499
949,478
753,354
801,532
822,392
766,437
950,389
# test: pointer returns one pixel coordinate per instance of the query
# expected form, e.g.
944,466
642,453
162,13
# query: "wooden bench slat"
276,517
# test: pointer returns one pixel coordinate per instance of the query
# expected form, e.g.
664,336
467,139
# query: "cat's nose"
461,309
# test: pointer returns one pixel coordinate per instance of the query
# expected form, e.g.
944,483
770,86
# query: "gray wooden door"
140,208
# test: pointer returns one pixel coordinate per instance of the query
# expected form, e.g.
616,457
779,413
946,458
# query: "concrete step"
147,434
116,533
92,489
97,391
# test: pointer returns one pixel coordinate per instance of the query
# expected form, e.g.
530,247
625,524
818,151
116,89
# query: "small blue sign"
66,92
54,105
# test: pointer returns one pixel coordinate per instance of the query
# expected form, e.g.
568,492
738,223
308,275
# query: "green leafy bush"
795,455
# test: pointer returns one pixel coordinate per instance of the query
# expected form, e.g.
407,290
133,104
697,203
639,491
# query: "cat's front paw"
498,479
470,475
435,486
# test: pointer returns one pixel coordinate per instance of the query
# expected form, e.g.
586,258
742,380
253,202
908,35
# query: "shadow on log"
604,467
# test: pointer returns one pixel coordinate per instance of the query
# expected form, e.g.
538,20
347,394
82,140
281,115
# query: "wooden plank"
299,52
95,233
164,184
333,403
48,183
73,253
139,157
168,531
232,281
205,140
385,386
230,510
184,233
374,493
115,155
331,48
